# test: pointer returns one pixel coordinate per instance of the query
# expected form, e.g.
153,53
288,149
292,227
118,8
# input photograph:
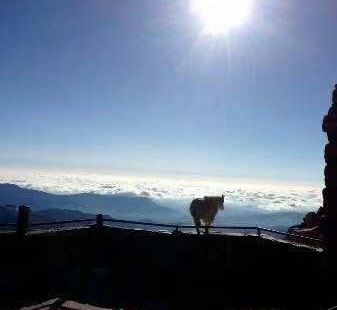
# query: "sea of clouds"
244,203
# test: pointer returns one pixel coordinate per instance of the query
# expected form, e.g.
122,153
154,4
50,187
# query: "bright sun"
220,16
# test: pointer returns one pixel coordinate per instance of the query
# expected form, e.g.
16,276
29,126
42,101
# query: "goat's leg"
206,230
197,224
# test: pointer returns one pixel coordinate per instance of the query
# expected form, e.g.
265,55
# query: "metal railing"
22,226
178,228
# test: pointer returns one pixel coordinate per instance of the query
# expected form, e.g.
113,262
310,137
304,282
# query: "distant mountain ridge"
8,215
124,206
51,207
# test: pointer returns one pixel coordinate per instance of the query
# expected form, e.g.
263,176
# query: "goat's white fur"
204,210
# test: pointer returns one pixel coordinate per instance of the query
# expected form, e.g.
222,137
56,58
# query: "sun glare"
220,16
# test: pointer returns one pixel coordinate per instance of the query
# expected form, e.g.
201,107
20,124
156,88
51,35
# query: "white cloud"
272,198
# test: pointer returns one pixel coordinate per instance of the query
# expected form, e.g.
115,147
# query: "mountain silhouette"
123,206
8,215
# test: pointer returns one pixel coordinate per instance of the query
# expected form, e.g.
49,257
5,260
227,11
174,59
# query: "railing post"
176,230
258,232
99,221
22,220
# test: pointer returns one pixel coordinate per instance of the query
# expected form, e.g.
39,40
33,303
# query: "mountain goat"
204,210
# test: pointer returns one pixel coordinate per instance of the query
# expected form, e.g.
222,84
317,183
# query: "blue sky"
133,86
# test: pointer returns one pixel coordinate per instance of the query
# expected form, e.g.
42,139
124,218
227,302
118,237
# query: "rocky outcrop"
310,226
328,222
323,224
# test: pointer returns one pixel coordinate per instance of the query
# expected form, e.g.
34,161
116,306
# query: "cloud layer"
268,198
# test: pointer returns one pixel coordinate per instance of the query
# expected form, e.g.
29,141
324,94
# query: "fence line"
22,226
177,225
289,235
7,225
62,222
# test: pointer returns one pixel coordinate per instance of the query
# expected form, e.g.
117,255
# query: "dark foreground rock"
136,269
60,304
